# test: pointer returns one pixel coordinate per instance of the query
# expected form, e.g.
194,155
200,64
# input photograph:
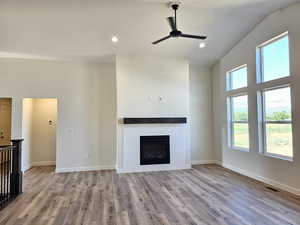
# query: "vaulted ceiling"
82,29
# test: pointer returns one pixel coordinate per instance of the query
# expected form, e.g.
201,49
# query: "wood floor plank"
204,195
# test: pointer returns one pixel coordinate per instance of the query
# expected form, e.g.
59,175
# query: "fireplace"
154,150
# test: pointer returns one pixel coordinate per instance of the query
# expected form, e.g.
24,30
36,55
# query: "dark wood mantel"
153,120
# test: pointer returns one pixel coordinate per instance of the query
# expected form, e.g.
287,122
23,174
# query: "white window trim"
230,122
262,122
230,93
259,58
262,86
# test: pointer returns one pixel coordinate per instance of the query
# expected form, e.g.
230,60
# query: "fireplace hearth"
154,150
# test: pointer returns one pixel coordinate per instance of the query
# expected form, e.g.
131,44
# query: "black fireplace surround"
154,150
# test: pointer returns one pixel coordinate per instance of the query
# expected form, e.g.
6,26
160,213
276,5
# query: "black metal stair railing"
5,169
10,172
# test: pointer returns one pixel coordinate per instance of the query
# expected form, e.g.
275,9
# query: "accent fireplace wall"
155,88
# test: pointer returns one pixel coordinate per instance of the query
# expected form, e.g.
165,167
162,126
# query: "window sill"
281,157
239,149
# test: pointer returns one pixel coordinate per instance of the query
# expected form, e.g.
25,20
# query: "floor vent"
272,189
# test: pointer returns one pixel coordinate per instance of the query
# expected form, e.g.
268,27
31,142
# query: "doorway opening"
5,121
39,127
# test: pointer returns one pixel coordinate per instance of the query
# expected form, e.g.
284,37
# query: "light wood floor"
203,195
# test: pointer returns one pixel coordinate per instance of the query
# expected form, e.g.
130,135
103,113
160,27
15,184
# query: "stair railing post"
17,174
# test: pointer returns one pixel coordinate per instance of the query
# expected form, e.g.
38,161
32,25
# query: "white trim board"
158,168
265,180
203,162
43,163
84,168
26,167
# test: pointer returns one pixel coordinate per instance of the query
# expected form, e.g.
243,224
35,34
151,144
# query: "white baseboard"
43,163
201,162
84,168
265,180
26,167
156,168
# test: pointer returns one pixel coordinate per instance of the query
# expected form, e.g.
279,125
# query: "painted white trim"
43,163
153,168
84,168
220,163
201,162
273,39
26,167
265,180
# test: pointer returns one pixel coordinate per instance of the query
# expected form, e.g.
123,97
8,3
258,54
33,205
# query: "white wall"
86,107
39,147
201,114
43,135
217,119
142,81
281,173
27,133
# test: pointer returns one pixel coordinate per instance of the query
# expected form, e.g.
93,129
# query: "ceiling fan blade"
193,36
172,23
165,38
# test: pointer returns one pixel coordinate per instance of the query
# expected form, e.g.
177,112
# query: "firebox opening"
155,150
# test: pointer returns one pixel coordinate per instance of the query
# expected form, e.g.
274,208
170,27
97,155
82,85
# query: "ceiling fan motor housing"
174,4
175,33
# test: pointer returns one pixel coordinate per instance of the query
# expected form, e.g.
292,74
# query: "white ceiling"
82,29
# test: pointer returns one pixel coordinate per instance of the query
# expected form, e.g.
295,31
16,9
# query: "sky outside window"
276,60
238,78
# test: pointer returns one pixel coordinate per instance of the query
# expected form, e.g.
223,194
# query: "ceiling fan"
176,33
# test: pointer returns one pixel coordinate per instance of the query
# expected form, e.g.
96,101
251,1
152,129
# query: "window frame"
229,78
260,58
230,122
264,122
263,86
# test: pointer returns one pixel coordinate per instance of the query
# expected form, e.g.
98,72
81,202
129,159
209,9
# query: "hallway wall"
43,133
26,131
39,147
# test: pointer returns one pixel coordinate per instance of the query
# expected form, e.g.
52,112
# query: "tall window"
274,98
239,128
237,105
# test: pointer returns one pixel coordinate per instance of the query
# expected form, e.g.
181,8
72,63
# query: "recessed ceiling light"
114,39
202,45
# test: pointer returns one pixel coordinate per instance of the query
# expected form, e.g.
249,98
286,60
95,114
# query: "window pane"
239,123
240,108
279,139
241,135
238,78
278,104
275,59
278,136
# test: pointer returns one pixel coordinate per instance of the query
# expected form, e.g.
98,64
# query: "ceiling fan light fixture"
202,45
114,39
